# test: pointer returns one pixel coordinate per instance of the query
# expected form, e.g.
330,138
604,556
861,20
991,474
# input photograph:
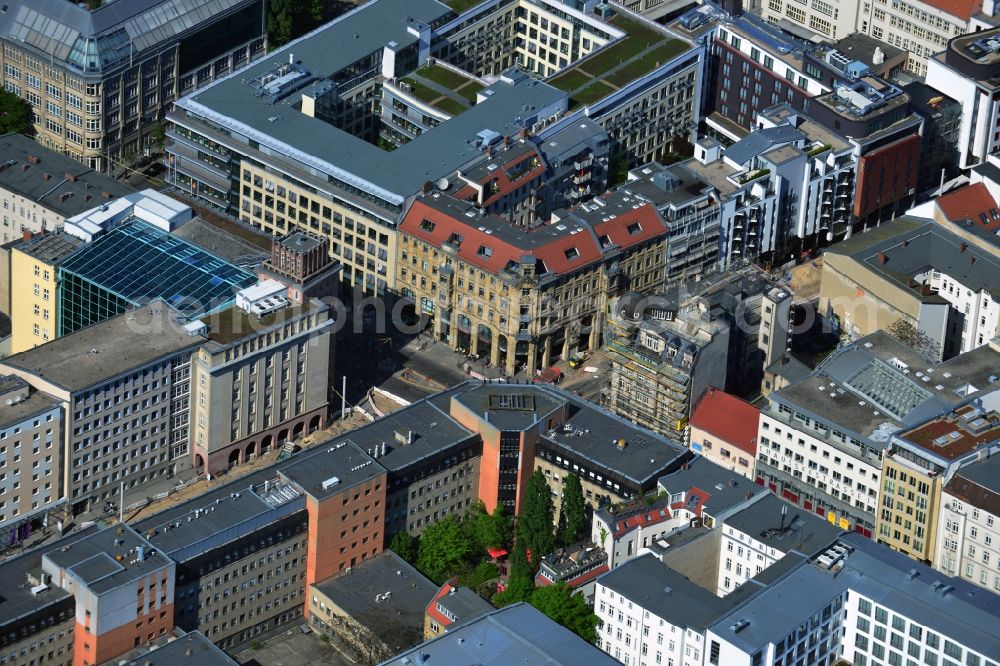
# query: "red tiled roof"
968,203
432,610
585,577
617,230
725,416
963,9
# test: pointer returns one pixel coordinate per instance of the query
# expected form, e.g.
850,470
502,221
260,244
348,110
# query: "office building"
191,646
99,79
967,538
424,84
33,287
515,634
663,362
301,261
261,378
723,429
920,461
916,271
823,439
942,116
524,297
123,387
41,188
31,435
965,70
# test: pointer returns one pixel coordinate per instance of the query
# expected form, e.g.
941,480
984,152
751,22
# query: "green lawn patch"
647,62
443,77
420,91
470,90
595,91
459,6
448,105
571,80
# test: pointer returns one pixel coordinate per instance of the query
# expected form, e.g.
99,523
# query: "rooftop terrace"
443,88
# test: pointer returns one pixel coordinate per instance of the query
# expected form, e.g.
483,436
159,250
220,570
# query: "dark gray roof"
789,367
798,529
61,29
464,604
193,648
654,586
57,193
514,101
354,592
859,46
760,141
725,488
908,246
51,248
107,349
985,473
988,171
342,465
517,634
221,243
36,403
510,406
107,559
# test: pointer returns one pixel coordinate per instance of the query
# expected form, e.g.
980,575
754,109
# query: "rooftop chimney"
45,176
34,159
972,260
26,234
427,187
106,194
70,177
963,247
882,257
523,133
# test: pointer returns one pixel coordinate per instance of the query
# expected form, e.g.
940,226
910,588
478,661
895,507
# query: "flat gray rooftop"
403,594
720,489
464,604
516,634
36,403
45,182
798,529
338,465
327,51
107,559
193,648
105,350
51,248
221,243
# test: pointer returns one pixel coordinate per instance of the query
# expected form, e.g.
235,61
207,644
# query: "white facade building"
968,542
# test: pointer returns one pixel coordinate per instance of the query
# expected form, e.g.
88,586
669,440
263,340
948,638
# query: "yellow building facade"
33,301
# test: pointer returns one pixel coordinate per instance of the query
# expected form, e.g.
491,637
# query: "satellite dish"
443,184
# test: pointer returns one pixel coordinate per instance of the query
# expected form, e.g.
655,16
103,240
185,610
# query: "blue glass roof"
139,262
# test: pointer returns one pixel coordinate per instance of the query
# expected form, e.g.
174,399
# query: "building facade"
967,535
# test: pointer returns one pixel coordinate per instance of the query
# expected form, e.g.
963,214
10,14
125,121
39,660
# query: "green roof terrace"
641,51
443,88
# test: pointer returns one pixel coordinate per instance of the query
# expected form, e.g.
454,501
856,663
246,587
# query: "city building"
515,634
301,261
918,464
523,297
823,438
826,20
967,536
923,29
664,362
191,646
967,212
451,607
576,566
261,378
376,608
31,438
122,386
916,271
33,286
723,429
942,116
965,70
41,188
99,79
288,154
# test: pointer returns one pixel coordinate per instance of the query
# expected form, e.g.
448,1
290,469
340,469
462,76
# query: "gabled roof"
972,202
729,418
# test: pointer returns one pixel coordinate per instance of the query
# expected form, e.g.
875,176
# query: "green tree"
289,19
520,583
488,530
405,545
568,609
157,135
534,525
15,114
573,516
444,546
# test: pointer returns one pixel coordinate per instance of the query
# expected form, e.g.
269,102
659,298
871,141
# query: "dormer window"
572,253
634,228
485,251
426,225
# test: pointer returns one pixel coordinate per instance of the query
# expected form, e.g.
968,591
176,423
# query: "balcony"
580,165
581,178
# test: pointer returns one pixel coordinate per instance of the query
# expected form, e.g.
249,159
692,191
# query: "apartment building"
33,287
917,465
126,414
261,378
30,449
823,439
922,28
965,70
524,297
663,361
723,429
98,80
967,535
916,271
41,188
